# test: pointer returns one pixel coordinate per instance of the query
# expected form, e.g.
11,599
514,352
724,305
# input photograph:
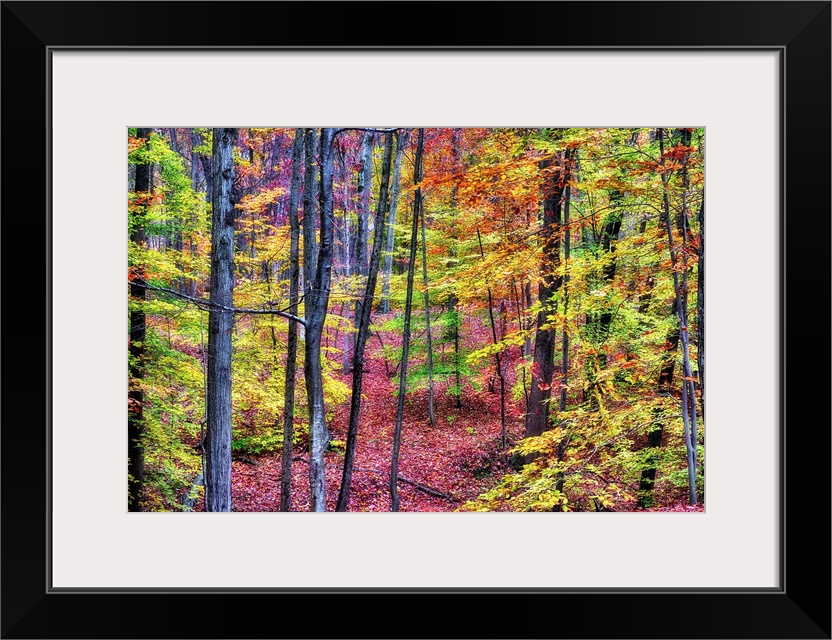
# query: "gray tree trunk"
431,417
397,437
310,210
366,184
220,324
362,317
700,307
688,400
317,301
401,143
292,339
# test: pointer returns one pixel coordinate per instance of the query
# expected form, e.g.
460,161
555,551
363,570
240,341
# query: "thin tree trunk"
292,339
196,140
220,324
564,362
567,246
656,433
362,315
688,403
138,324
397,438
497,358
527,343
401,142
521,326
700,307
317,303
452,299
431,416
310,211
366,184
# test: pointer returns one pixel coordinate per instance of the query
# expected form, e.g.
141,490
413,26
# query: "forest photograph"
416,319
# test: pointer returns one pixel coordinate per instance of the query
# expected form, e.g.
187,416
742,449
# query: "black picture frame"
800,608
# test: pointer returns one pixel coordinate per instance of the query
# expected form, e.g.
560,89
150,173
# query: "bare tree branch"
337,131
206,305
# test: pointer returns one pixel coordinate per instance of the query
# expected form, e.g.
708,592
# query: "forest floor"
459,456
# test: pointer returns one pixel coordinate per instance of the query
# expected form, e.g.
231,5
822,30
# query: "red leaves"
457,456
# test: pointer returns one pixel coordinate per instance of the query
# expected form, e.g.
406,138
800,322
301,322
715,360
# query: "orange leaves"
134,143
144,198
679,153
133,405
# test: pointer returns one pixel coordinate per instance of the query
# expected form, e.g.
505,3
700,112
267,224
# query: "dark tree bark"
537,417
362,316
567,250
310,210
564,362
401,143
317,301
397,438
497,357
292,339
135,395
609,236
220,324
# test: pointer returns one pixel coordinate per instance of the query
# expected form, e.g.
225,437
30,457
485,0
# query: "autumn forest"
415,319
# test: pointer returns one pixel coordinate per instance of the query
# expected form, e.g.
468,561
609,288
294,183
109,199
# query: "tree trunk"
654,436
220,324
537,417
397,438
431,416
317,301
497,357
362,316
401,143
196,140
700,308
456,153
564,361
292,339
135,395
567,249
366,184
310,211
688,399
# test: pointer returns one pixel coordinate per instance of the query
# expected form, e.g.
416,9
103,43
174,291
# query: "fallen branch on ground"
416,485
246,460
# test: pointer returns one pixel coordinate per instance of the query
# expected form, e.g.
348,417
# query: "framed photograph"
752,79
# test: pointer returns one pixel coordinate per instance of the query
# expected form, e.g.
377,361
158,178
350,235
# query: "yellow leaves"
257,203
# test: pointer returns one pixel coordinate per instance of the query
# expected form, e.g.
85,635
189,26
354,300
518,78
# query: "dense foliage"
561,272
